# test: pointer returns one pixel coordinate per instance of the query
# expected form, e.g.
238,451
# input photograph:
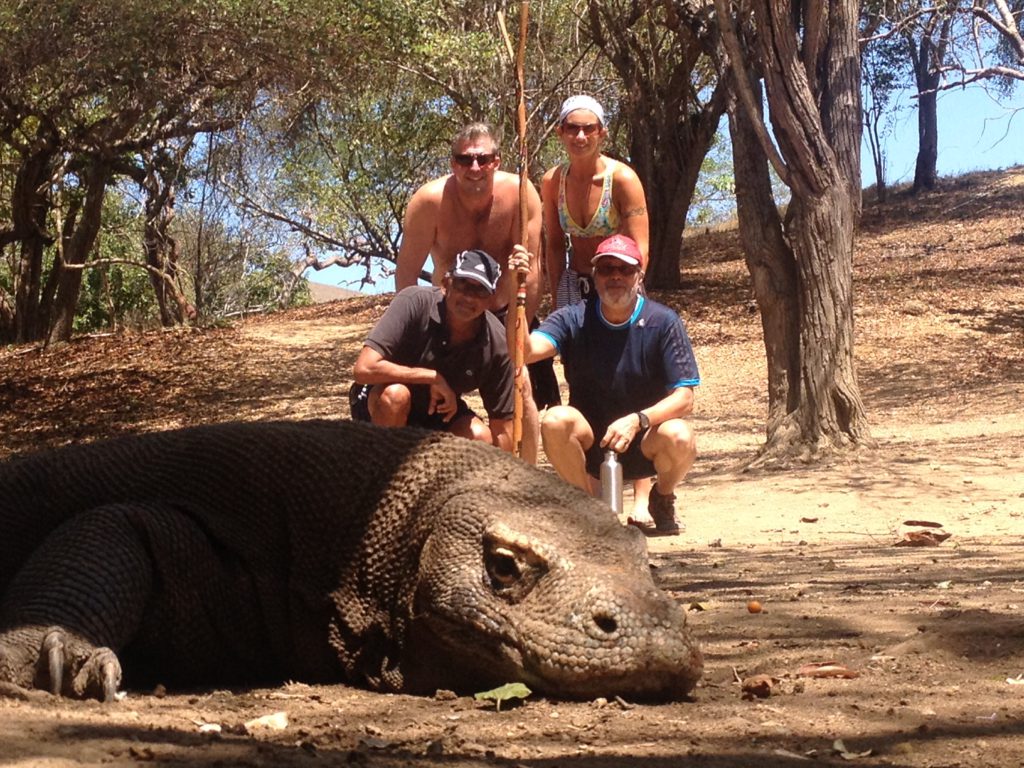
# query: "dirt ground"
932,637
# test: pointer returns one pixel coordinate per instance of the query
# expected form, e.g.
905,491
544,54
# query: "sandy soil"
932,637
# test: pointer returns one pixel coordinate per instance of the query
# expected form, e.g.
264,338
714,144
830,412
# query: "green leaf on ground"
504,693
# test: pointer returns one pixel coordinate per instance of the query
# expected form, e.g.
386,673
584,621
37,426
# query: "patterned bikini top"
605,220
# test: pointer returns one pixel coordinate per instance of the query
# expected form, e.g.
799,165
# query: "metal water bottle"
611,481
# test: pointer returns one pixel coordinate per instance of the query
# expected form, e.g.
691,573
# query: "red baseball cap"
620,247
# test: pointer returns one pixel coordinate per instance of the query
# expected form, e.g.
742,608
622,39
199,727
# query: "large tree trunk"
78,243
29,208
830,410
810,68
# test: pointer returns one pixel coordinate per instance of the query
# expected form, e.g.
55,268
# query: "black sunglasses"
573,129
466,161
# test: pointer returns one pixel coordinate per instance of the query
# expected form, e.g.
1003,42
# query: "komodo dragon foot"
60,662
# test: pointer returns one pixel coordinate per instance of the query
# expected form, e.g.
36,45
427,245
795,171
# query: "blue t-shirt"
614,370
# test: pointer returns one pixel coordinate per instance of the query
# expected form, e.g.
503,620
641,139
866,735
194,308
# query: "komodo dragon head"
526,579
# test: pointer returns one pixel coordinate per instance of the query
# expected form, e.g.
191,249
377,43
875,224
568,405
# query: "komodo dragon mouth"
646,666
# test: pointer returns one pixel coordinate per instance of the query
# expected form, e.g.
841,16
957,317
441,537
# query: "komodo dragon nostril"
606,623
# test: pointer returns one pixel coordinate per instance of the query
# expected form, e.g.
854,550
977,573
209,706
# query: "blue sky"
976,132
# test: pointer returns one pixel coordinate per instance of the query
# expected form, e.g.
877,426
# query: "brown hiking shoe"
663,511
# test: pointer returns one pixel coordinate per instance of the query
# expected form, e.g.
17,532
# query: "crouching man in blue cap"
433,345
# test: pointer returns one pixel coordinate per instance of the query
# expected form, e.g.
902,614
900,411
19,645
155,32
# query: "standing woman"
585,200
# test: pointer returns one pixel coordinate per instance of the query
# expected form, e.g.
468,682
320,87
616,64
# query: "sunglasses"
466,161
622,270
573,129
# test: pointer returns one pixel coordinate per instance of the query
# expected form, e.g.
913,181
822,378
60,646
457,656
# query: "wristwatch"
645,423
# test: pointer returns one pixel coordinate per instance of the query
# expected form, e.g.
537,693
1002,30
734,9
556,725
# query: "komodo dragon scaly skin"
323,551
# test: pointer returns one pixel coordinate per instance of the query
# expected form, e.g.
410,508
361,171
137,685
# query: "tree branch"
734,60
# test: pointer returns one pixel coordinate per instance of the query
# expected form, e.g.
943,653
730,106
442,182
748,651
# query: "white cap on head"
581,101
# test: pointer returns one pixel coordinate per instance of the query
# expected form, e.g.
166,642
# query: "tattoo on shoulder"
635,212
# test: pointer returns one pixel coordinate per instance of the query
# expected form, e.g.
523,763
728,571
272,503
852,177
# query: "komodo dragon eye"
502,567
512,569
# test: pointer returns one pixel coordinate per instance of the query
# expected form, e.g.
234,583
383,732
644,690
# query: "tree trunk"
927,58
671,128
877,160
830,413
925,172
162,250
810,67
29,208
771,265
668,158
78,245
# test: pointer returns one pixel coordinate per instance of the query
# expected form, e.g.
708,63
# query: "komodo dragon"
323,551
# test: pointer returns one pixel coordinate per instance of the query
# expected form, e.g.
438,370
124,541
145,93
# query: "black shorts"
634,464
359,407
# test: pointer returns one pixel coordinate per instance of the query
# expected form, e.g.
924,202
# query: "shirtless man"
475,206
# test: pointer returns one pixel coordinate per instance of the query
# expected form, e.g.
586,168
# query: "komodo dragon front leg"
99,581
62,615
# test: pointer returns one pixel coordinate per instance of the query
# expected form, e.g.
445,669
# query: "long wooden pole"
524,224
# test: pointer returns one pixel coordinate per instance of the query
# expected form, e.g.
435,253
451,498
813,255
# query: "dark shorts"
359,408
543,382
634,464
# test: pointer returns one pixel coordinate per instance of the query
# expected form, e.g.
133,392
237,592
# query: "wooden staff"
524,234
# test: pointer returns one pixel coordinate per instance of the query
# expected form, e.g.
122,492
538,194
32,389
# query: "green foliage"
342,172
351,168
116,290
714,196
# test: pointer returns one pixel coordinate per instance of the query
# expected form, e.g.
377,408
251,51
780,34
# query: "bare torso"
493,228
443,221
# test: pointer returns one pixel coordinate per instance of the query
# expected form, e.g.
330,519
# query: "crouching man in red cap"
433,345
631,375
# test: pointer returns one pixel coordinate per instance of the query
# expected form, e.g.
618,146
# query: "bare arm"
373,368
678,404
419,230
535,346
554,237
631,203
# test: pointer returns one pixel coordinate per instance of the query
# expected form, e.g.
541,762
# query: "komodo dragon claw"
53,644
93,671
